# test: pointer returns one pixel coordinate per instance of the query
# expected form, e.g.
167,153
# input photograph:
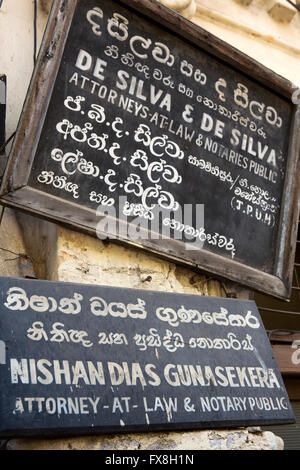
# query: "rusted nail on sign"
77,359
142,127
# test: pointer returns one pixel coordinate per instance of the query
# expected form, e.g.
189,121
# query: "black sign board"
78,359
142,127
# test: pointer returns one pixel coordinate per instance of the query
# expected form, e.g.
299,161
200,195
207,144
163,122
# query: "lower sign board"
142,128
78,359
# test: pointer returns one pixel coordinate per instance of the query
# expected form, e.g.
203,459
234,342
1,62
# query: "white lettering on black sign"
139,114
125,358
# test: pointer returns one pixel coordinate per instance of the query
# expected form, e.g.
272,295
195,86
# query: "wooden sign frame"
18,194
2,111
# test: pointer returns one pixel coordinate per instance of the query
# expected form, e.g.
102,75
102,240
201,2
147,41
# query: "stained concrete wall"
238,439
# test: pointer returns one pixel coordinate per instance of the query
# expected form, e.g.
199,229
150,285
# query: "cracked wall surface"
84,259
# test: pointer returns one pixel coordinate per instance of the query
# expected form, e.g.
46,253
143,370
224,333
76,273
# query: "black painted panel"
77,359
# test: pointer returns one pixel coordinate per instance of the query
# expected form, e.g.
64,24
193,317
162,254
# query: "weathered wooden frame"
2,116
16,193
